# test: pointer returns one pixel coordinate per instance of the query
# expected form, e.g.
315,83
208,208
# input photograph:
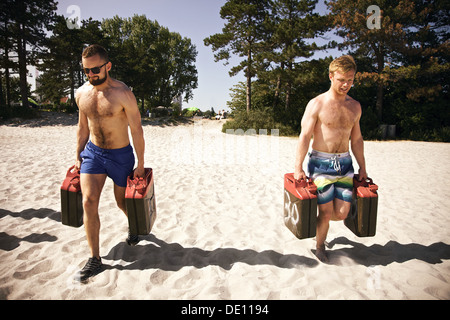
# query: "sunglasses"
95,70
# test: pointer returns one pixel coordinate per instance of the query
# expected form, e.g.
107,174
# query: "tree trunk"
277,93
8,85
72,88
379,103
22,69
7,81
22,55
278,88
380,90
2,98
249,80
288,87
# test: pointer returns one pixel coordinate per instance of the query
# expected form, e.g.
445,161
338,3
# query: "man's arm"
82,136
357,145
134,121
308,123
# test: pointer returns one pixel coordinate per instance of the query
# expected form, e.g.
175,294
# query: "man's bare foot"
321,254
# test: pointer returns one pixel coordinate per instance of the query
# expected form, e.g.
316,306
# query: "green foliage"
311,80
244,34
257,119
156,63
20,111
60,66
162,62
403,68
23,28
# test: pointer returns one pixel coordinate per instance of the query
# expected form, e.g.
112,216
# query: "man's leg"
341,209
91,186
119,194
335,210
326,212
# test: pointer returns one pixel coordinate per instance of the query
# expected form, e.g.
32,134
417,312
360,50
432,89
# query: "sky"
194,19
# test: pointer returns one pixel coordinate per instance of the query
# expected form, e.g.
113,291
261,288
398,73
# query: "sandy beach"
219,233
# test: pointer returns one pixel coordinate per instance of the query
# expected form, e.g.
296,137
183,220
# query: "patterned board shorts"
332,173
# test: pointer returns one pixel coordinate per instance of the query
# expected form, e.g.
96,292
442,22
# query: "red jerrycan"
71,199
362,219
300,206
140,203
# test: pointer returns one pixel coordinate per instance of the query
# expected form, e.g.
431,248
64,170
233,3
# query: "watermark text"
73,21
374,20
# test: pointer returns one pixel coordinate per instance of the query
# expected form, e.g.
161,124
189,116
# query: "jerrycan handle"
73,173
295,182
140,184
308,184
75,176
365,183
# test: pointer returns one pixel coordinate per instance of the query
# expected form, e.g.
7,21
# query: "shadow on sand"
388,253
158,254
172,257
10,242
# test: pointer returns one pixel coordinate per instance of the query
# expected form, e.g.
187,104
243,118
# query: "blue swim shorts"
117,164
332,173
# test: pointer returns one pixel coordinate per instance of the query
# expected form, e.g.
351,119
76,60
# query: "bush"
20,112
370,125
441,134
257,119
68,108
434,135
160,112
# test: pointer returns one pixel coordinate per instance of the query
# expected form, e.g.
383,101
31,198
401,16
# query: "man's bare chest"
99,104
338,116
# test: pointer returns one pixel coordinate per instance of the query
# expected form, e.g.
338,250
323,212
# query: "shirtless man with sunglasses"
107,107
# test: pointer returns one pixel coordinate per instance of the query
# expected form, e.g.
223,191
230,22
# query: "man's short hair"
342,64
95,49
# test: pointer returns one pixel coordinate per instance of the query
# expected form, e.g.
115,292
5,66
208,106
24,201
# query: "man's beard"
97,82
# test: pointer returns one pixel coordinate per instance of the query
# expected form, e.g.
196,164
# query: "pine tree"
27,24
409,35
292,23
243,35
60,63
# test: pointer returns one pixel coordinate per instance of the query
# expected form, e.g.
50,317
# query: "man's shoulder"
353,103
82,90
119,85
317,101
351,100
84,87
320,98
121,90
123,93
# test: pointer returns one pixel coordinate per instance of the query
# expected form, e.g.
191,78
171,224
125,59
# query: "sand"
220,232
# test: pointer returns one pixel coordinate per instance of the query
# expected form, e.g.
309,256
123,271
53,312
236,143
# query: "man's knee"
119,194
325,213
341,212
90,202
340,216
121,204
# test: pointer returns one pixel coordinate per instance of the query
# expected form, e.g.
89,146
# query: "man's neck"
101,87
336,96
